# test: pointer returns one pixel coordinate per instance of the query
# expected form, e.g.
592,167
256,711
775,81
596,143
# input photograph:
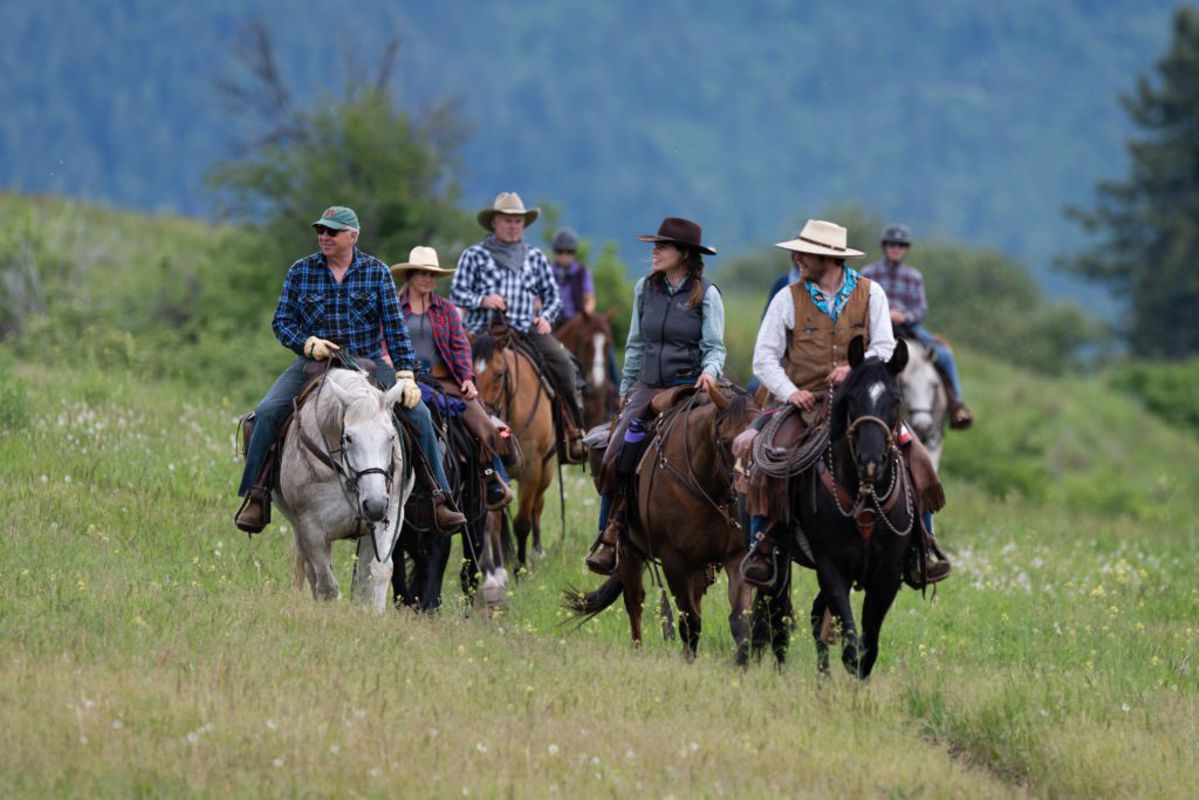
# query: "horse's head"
489,353
923,393
367,451
866,410
588,337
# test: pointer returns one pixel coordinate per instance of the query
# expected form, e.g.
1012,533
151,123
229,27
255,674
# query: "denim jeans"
276,405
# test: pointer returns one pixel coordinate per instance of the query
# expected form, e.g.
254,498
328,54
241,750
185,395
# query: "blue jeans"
275,407
943,357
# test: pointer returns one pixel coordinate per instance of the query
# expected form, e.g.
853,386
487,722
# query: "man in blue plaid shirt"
904,286
502,273
338,297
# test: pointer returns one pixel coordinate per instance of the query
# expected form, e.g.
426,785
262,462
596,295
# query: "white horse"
926,407
342,476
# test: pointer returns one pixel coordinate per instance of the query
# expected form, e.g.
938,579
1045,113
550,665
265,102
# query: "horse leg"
495,574
432,572
836,590
874,610
371,577
819,609
318,564
781,615
681,583
631,570
538,508
740,597
523,523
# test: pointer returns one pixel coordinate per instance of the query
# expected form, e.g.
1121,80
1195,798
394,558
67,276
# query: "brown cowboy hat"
681,232
507,203
422,258
821,238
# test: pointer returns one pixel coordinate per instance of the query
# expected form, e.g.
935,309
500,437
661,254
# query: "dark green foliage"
1169,390
1148,224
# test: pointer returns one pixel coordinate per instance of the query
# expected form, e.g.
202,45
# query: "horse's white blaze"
597,360
876,391
480,367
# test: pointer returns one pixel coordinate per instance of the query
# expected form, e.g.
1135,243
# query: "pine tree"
1148,225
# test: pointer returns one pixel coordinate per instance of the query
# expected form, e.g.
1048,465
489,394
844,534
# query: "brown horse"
510,384
685,518
589,339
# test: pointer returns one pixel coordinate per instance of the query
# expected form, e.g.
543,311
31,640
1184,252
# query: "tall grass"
150,648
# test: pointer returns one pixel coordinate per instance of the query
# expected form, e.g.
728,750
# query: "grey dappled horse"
925,405
343,475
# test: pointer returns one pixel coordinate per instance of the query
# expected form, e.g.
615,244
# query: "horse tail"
585,605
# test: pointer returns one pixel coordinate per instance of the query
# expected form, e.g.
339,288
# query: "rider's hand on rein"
319,348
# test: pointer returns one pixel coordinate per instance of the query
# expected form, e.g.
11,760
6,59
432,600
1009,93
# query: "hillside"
973,122
150,649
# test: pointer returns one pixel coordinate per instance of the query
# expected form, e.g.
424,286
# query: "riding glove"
410,392
319,348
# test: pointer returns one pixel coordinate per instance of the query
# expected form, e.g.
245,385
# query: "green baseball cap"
337,218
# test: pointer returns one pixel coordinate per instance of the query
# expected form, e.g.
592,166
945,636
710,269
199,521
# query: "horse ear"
857,351
899,358
501,339
718,399
337,389
392,396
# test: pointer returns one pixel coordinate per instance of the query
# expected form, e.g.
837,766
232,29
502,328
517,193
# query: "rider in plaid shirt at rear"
502,273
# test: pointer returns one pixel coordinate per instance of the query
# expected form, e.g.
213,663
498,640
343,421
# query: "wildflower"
553,749
482,748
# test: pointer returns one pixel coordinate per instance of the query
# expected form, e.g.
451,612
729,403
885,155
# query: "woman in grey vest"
676,337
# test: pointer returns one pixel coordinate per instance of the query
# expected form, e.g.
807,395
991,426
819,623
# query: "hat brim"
403,269
801,246
333,225
488,214
703,248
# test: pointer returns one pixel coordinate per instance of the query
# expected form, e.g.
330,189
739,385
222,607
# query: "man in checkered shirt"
338,298
904,286
503,273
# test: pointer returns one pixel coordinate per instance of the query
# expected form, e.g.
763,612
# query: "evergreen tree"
1148,225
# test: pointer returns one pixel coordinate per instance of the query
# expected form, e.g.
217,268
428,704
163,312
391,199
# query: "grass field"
148,648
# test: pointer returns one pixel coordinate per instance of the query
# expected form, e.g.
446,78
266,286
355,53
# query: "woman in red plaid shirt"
443,354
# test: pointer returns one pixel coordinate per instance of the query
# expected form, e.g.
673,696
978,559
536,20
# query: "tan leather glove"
410,392
318,348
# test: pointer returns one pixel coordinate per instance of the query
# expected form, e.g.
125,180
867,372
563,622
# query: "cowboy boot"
603,559
760,565
935,571
446,516
255,511
960,417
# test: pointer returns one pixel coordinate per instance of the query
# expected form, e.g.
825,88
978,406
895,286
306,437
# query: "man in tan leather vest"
802,348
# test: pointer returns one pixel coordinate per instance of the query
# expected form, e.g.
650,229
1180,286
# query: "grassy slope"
149,647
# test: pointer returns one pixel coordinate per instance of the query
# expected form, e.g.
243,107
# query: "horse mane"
483,346
870,371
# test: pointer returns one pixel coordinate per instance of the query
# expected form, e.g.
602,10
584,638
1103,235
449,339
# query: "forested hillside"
977,122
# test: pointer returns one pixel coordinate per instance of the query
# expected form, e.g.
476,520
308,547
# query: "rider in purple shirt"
576,289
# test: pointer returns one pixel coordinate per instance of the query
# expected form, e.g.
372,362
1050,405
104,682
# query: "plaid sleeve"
286,322
457,349
547,287
465,287
395,329
919,309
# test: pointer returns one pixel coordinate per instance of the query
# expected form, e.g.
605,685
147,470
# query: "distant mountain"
976,121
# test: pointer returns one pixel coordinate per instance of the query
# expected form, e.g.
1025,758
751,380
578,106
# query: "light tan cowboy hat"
821,238
507,203
422,258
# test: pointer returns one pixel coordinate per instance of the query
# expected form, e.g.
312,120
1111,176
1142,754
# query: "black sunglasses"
323,231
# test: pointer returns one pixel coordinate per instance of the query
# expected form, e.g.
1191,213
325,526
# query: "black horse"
853,519
420,587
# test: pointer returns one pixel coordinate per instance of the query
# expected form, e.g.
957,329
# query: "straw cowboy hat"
681,232
821,238
507,203
422,258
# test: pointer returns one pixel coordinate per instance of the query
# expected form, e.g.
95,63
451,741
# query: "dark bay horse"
589,339
511,386
685,517
853,516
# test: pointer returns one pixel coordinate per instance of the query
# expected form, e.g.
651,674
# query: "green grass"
151,649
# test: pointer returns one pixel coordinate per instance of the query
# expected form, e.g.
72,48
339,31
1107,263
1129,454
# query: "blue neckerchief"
848,284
